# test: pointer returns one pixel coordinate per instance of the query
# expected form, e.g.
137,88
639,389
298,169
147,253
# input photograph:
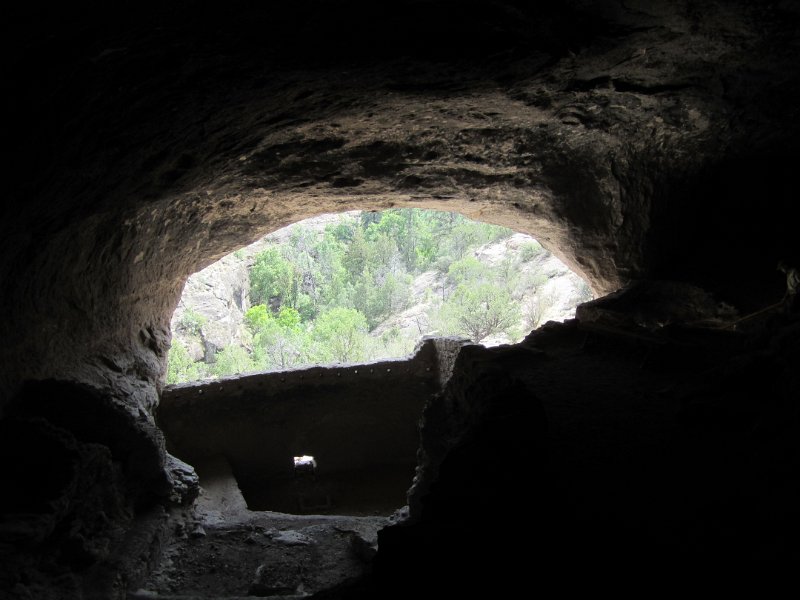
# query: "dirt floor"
224,550
366,492
269,554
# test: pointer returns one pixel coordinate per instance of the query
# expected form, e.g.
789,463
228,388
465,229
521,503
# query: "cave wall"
154,147
633,139
658,459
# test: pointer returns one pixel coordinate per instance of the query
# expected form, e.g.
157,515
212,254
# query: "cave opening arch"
263,472
394,277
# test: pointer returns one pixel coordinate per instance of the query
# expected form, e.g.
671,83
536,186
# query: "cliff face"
210,314
544,290
211,311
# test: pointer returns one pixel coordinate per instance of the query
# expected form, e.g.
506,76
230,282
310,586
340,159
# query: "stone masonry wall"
348,417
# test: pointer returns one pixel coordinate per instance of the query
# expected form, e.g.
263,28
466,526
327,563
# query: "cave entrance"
338,330
365,285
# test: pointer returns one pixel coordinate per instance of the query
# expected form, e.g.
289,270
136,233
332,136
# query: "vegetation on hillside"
316,298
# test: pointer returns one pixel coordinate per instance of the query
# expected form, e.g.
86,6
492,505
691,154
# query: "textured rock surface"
219,296
616,135
635,140
65,509
644,455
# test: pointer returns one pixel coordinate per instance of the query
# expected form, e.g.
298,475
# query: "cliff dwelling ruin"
650,442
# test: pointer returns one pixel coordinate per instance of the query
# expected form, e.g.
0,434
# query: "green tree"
180,366
468,269
356,257
307,279
341,334
271,276
539,306
279,347
483,309
232,360
344,230
288,317
278,341
530,250
583,293
384,256
333,276
395,292
191,322
257,317
463,237
305,306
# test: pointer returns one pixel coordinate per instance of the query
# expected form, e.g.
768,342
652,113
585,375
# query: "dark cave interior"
650,145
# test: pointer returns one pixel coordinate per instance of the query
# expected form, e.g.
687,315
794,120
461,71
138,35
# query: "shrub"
192,322
180,366
530,250
341,334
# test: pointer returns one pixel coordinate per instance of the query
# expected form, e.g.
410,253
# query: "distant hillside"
407,282
546,290
210,314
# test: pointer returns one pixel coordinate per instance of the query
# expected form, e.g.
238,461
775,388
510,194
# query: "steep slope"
210,315
211,312
544,289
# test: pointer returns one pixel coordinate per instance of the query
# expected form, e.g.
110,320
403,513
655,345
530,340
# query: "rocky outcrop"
546,290
557,446
64,499
210,314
